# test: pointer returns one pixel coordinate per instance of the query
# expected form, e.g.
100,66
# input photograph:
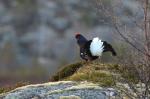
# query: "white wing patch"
96,47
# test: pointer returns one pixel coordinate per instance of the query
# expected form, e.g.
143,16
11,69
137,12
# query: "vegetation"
139,41
102,78
66,71
106,75
102,74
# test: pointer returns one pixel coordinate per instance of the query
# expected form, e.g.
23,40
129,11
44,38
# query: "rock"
70,97
59,90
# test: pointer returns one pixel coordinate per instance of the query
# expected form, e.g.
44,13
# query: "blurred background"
37,36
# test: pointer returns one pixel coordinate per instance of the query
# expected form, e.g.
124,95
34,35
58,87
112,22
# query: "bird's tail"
113,52
108,47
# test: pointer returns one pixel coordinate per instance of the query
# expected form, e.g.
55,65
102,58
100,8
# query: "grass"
95,73
101,78
103,74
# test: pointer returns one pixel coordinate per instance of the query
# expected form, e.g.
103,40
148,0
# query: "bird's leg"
100,60
87,58
87,61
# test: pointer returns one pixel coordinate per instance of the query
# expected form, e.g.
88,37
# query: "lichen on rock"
58,90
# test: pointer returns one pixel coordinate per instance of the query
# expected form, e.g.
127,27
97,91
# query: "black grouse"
92,49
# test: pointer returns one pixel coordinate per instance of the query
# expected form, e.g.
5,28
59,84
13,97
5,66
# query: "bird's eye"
81,53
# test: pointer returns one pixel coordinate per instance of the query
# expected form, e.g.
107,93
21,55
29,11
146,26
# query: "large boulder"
60,90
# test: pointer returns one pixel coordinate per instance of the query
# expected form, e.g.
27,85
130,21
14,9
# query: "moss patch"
103,74
101,78
66,71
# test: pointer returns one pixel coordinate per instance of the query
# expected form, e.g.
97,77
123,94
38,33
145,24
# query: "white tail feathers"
96,47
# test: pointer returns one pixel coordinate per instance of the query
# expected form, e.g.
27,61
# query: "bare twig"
144,70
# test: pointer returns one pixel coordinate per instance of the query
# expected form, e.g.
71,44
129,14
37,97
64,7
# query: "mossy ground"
103,74
66,71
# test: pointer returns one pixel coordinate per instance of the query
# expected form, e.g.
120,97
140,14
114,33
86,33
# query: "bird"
93,49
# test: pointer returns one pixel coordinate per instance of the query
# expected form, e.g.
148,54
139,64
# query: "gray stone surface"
60,90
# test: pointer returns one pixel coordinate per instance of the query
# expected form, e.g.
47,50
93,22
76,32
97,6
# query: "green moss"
66,71
104,79
100,77
79,77
103,74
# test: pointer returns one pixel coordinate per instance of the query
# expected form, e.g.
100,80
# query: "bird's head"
80,39
77,35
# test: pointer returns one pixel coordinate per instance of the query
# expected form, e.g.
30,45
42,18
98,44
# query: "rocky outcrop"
61,90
